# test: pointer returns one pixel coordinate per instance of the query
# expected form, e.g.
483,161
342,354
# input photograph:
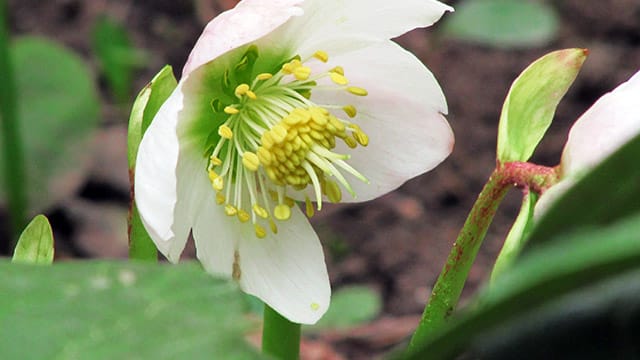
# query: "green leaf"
58,109
517,236
608,192
532,100
35,245
144,109
117,57
585,257
350,306
118,310
503,23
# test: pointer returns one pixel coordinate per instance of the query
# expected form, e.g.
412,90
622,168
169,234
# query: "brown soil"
397,243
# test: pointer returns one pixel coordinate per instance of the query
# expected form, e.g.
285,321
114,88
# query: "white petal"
247,22
408,135
551,195
287,271
167,193
612,121
337,26
216,236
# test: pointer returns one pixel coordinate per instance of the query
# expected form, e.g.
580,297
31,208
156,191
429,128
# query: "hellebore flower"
612,121
283,101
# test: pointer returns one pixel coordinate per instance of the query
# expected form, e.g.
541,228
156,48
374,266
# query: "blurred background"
395,245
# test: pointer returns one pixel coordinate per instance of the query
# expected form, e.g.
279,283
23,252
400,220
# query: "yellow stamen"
215,161
337,69
212,175
243,216
230,210
338,78
333,192
321,55
350,110
241,89
231,110
282,212
357,91
260,211
308,206
302,72
260,231
225,131
272,225
250,161
220,199
251,95
264,76
218,183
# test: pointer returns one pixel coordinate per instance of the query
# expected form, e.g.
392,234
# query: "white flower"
612,121
285,100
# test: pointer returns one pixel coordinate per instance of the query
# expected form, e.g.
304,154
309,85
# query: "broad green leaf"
503,23
119,310
350,306
35,245
608,192
58,110
145,107
117,57
583,258
532,100
515,240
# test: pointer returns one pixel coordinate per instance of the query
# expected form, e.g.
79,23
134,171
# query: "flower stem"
448,287
14,170
280,337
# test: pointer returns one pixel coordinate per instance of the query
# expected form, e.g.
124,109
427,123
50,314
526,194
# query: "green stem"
448,287
280,337
13,150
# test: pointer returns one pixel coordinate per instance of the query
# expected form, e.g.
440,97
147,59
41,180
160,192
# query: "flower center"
275,138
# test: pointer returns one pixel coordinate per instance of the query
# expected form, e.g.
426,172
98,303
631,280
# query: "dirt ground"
396,244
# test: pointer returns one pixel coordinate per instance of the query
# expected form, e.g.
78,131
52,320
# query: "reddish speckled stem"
448,287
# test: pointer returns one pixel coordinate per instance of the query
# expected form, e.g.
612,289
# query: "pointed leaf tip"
35,245
532,101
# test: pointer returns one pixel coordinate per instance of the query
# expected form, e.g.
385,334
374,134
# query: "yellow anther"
357,91
251,95
215,161
282,212
308,206
338,78
242,89
351,142
350,110
225,131
333,192
267,140
321,55
361,137
260,231
220,199
302,72
250,161
264,156
230,210
291,66
278,133
318,116
212,175
243,216
231,110
260,211
272,225
264,76
218,183
338,69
